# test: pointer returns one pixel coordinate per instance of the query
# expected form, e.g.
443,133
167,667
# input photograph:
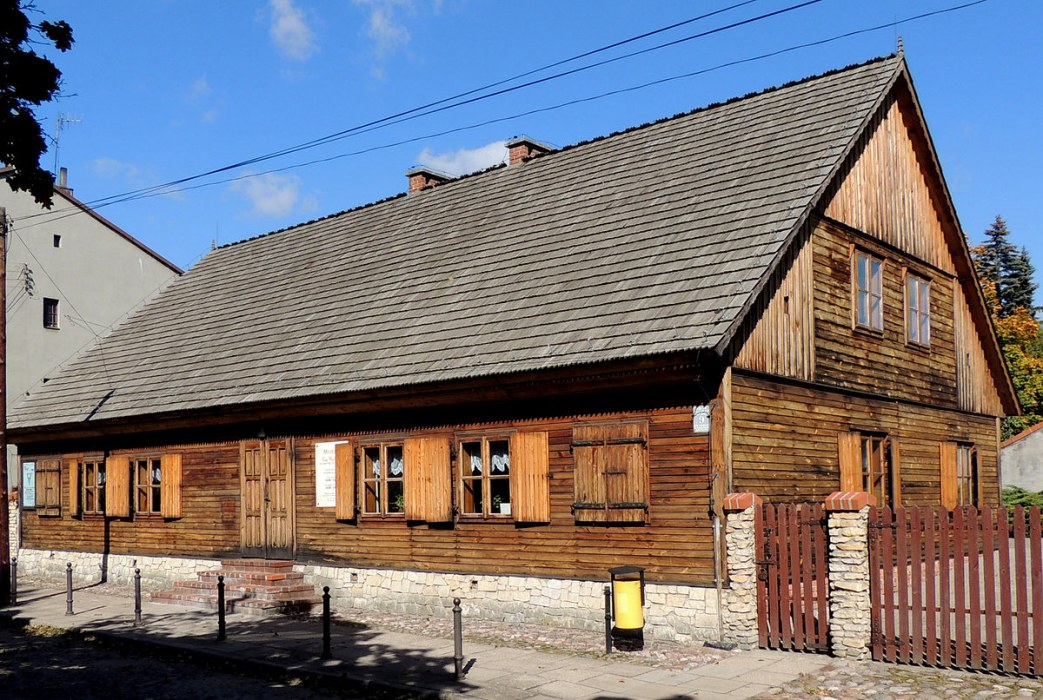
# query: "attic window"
869,291
57,241
50,313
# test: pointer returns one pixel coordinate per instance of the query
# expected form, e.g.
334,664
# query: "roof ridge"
580,144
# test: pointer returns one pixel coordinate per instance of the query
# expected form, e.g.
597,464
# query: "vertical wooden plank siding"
989,572
975,381
344,460
930,612
886,191
959,585
530,477
117,487
902,534
1006,626
781,326
916,566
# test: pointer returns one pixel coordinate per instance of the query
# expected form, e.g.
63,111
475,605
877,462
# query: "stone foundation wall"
156,572
680,613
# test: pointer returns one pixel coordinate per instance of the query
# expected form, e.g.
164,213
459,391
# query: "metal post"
14,580
220,608
68,588
458,639
608,619
326,652
137,597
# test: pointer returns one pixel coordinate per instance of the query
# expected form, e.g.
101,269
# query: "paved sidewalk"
365,657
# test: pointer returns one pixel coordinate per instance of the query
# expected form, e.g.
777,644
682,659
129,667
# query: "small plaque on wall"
28,484
700,420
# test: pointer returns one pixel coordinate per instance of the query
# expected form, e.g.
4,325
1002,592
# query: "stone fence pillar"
739,613
849,607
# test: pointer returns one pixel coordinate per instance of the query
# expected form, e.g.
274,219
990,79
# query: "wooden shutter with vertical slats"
117,487
850,447
75,480
530,477
947,459
345,461
428,479
170,486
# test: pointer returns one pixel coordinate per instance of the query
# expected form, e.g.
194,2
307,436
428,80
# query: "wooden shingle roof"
648,241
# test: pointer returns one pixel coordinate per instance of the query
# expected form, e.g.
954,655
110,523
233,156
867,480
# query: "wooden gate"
962,590
792,581
267,498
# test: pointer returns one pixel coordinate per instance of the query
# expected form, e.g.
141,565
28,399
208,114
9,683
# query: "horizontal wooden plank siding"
208,526
880,362
786,449
675,543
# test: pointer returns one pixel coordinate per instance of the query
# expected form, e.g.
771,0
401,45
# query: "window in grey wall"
57,241
50,313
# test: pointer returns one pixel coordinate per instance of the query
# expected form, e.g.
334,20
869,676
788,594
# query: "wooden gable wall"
888,192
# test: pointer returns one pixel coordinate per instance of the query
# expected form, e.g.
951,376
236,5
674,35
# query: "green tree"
27,80
1005,273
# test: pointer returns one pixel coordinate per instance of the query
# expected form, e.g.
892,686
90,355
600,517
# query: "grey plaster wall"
98,274
1021,463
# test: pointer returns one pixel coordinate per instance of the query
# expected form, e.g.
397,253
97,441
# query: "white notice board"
326,474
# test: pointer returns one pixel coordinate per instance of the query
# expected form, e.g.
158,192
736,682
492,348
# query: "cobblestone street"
847,680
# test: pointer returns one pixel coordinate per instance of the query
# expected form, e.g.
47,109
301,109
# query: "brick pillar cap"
741,501
849,500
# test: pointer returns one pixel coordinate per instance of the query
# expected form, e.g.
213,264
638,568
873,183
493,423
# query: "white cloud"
290,32
112,169
270,194
465,160
199,89
385,32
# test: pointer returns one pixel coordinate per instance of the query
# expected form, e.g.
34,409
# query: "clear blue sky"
169,89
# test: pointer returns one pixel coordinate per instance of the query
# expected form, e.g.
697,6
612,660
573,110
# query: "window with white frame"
918,310
869,291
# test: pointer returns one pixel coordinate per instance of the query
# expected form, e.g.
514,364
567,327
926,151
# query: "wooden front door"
267,498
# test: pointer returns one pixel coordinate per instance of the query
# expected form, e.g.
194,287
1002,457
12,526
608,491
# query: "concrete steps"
253,587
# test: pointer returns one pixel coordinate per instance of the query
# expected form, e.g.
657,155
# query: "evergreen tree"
1020,289
1005,273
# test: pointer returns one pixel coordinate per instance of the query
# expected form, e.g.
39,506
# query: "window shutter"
850,446
948,475
428,479
170,486
345,506
75,479
625,483
530,477
117,487
591,503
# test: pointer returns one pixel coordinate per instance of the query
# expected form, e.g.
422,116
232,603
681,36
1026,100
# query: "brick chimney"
521,148
423,178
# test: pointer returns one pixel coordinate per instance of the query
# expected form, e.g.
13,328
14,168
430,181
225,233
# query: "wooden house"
502,385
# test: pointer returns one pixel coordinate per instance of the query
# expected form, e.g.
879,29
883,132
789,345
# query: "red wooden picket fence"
792,584
961,590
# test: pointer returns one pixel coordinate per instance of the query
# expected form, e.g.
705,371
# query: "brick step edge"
251,576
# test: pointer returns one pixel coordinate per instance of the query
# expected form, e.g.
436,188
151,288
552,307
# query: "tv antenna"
59,126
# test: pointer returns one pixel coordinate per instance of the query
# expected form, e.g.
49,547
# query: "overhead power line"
549,108
471,96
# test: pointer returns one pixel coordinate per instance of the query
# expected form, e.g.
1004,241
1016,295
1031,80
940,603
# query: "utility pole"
5,521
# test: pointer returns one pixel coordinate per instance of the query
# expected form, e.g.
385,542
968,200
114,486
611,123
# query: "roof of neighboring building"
66,194
1021,436
653,240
